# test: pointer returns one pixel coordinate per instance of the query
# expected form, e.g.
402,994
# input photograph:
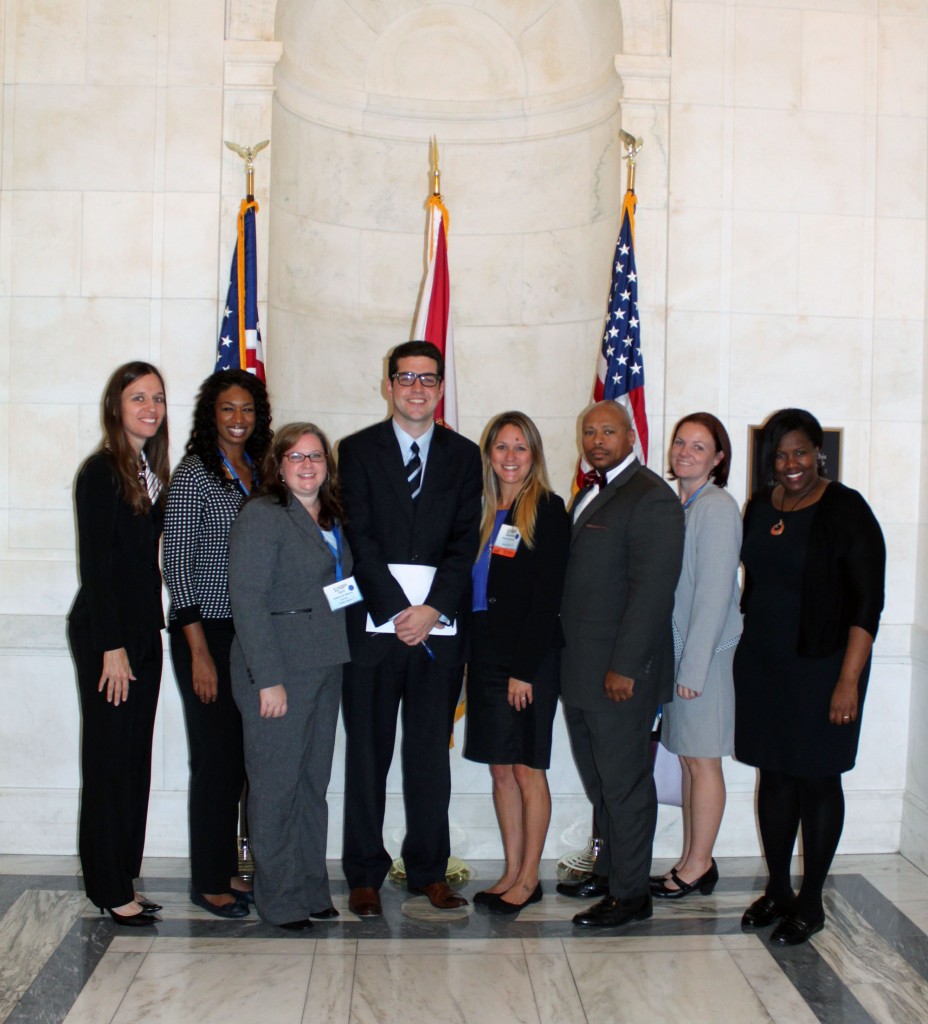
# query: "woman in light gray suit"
699,724
286,550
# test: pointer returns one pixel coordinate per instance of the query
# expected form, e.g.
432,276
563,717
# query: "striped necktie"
414,472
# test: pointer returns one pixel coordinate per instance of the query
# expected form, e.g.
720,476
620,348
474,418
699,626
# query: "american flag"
240,345
433,321
620,371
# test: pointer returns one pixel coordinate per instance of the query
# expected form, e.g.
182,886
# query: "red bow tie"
593,478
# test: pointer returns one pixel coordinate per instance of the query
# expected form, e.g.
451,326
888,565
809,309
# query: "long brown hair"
330,493
536,486
116,444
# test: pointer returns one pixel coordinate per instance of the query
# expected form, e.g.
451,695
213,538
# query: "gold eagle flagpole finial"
248,154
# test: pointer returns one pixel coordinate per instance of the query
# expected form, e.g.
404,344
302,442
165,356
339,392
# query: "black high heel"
148,905
705,884
139,920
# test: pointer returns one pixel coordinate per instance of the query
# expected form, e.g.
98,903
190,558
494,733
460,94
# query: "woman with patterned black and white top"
231,432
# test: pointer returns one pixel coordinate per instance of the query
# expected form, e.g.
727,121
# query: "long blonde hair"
536,486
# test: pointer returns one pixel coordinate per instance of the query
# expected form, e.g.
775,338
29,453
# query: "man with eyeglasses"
412,494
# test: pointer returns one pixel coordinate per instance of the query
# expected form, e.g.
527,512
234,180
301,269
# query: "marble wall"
782,260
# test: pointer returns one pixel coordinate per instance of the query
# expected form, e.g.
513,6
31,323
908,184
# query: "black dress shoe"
588,889
793,930
612,912
765,911
297,926
230,911
705,884
324,915
500,906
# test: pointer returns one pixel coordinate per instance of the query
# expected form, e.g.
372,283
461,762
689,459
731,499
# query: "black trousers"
115,766
371,698
217,761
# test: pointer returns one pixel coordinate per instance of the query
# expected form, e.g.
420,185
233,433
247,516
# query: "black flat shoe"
793,930
484,898
297,926
231,911
243,895
587,889
139,920
705,884
324,915
765,911
148,905
500,906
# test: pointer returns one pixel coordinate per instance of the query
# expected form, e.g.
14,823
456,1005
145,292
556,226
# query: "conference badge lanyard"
344,591
245,490
507,542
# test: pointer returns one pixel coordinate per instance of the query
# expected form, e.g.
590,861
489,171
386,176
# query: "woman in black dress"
814,562
512,680
114,630
231,433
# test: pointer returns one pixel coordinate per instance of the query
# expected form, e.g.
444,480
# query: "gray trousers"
612,749
288,762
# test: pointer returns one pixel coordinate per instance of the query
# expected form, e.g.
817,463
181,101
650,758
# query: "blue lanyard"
235,475
336,551
689,501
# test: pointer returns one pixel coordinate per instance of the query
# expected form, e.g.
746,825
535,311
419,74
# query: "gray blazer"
625,555
705,610
278,564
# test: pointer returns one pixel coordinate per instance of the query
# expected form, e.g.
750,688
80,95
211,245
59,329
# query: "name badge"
342,593
507,542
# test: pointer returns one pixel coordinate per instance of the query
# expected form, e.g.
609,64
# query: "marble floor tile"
32,864
916,911
701,987
328,1000
30,932
198,988
454,989
556,997
100,998
771,986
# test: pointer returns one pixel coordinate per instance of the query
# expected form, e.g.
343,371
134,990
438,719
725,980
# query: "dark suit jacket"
278,564
385,525
119,600
625,557
524,593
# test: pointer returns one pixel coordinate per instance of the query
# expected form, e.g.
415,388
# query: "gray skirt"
704,726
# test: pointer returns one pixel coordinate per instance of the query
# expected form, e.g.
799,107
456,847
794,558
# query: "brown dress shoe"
365,902
441,896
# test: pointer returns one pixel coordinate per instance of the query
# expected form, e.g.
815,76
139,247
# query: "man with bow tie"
617,666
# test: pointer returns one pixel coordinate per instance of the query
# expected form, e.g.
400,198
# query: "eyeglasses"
407,378
297,457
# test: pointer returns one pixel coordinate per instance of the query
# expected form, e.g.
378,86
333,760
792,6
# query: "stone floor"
60,961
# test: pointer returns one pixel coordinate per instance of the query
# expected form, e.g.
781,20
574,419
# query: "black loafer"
765,911
793,930
590,888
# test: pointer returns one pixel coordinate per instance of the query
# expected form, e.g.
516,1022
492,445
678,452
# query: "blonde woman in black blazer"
114,630
512,684
286,545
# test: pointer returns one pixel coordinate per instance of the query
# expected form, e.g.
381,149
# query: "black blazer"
119,600
385,525
626,551
524,593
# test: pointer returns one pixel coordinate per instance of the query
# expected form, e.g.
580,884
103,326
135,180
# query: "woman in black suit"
114,630
512,683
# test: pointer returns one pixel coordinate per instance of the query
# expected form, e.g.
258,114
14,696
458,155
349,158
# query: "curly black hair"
204,438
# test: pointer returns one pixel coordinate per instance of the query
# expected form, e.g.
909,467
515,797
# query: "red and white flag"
433,320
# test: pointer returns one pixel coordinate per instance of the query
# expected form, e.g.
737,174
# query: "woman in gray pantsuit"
286,550
699,723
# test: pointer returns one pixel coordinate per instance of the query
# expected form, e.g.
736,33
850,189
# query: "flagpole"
578,864
248,154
